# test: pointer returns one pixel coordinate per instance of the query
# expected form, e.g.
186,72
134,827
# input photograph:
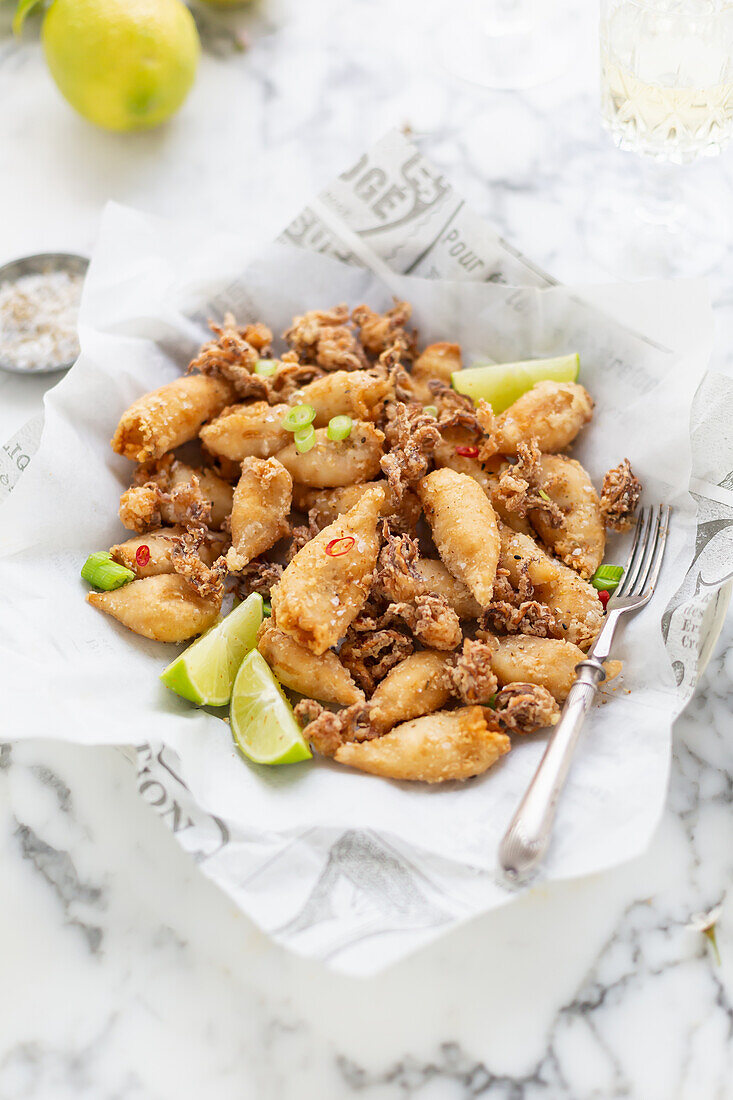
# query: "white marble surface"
125,974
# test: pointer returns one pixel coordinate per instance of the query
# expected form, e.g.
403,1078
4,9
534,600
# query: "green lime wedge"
502,383
204,673
263,723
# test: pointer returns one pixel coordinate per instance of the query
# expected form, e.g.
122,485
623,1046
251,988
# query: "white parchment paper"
334,864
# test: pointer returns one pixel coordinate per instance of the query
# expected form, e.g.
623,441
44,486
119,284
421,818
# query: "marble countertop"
127,976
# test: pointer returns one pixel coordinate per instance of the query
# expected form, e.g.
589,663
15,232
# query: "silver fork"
528,836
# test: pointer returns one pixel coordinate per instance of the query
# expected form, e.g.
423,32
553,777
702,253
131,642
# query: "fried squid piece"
397,578
412,435
521,487
149,555
417,685
380,331
440,582
260,510
355,393
436,748
458,451
206,581
470,674
525,708
619,497
430,619
370,654
329,464
247,430
327,730
436,363
578,536
575,614
323,337
464,529
233,352
323,677
326,584
323,505
551,412
169,491
547,662
164,608
169,416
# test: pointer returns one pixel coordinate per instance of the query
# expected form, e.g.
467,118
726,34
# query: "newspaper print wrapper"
333,864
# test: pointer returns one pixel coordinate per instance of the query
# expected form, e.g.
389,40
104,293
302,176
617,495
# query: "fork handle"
528,836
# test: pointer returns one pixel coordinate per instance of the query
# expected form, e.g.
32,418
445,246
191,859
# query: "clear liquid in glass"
667,78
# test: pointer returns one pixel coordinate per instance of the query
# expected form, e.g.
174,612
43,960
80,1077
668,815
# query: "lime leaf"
204,673
262,720
502,383
24,6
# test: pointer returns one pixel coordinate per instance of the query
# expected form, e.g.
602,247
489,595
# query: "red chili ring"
338,547
604,596
467,452
142,555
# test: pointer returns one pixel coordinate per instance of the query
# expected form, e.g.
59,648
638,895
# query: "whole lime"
123,64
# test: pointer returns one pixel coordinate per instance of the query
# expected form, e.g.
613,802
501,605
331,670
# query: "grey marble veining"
133,978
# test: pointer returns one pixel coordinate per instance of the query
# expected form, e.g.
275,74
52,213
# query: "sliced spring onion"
339,428
431,410
300,416
304,439
606,577
544,495
266,367
102,572
266,608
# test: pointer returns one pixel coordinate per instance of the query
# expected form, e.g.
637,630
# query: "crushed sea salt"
38,317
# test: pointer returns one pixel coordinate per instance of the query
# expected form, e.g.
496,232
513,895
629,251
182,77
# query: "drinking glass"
667,95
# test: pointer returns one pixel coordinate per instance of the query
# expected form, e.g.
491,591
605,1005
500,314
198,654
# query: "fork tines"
645,560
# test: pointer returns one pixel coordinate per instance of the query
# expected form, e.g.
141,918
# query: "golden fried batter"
417,685
149,555
244,430
379,331
464,528
359,394
326,585
551,412
323,337
323,677
260,510
169,416
619,497
164,608
437,362
578,538
439,747
328,464
526,708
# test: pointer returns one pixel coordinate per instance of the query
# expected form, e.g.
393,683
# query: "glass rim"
654,6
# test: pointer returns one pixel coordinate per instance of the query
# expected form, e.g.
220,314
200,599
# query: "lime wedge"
263,723
204,673
502,383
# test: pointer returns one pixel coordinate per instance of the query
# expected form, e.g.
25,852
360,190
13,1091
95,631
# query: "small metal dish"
41,264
